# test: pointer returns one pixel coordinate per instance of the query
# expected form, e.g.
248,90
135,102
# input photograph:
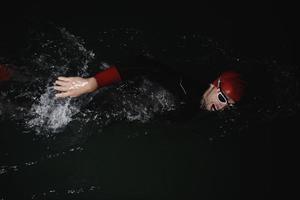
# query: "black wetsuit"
186,86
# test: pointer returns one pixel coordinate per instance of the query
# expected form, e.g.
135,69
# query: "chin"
203,104
205,107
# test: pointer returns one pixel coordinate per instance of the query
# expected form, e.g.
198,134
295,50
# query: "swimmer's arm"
76,86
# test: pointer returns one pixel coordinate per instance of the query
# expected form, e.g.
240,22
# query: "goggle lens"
222,98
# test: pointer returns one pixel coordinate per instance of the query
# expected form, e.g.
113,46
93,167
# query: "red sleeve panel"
5,72
108,77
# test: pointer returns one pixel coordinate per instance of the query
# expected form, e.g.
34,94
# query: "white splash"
51,113
56,57
143,103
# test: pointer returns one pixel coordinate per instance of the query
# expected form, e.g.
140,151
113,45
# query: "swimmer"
222,93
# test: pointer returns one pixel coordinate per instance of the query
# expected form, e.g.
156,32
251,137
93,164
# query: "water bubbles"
50,55
51,113
31,163
70,191
146,100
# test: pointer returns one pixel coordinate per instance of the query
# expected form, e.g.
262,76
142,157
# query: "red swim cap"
231,84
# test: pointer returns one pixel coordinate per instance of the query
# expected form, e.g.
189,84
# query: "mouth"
213,108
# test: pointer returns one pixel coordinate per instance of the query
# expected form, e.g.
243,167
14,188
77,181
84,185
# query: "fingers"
62,88
61,83
64,85
62,78
63,95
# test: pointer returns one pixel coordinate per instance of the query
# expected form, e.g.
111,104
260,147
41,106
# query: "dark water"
117,148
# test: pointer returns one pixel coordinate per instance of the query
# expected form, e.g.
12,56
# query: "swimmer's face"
215,100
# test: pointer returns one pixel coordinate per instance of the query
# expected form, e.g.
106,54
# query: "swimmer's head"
224,92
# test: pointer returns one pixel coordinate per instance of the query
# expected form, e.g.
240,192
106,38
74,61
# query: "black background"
262,31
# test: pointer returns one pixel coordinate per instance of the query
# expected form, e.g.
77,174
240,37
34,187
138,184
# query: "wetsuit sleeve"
136,67
108,77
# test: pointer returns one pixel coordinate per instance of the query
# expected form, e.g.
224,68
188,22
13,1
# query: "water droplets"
50,113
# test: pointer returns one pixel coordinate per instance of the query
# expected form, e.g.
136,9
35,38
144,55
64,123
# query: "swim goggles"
221,96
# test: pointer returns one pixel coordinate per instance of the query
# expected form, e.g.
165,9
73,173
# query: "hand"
74,86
